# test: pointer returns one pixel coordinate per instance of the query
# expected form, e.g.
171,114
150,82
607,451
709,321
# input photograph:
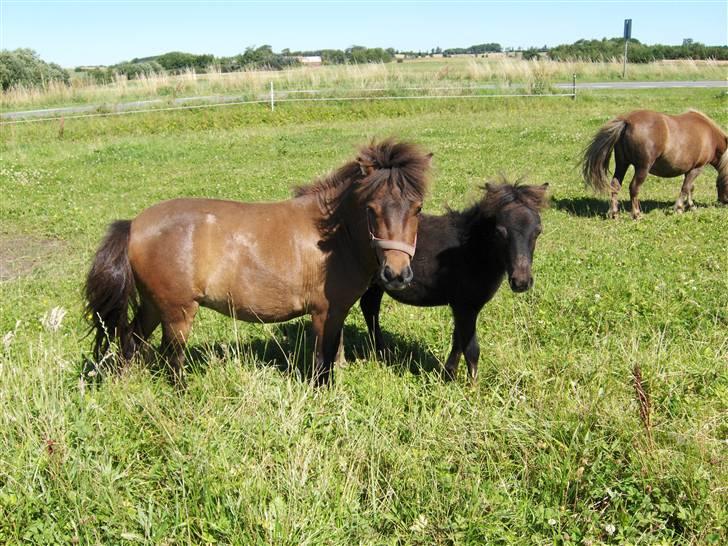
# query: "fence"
274,98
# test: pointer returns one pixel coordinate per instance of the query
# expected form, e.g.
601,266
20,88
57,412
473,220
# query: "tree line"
24,66
254,58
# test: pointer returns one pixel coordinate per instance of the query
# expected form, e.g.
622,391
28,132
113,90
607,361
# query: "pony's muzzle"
393,280
520,278
520,284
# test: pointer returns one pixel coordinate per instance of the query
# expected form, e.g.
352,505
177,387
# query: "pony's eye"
502,232
418,211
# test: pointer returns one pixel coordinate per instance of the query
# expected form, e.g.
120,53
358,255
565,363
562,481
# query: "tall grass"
422,73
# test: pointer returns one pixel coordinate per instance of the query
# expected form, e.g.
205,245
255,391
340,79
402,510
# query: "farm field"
552,445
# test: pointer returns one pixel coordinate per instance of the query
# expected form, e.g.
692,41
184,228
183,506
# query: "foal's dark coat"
461,260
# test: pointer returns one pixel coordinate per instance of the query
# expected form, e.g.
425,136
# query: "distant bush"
176,61
605,49
474,49
531,53
133,70
24,67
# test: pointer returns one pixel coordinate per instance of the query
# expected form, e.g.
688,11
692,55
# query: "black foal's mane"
498,196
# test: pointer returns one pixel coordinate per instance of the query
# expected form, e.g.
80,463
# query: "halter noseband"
388,244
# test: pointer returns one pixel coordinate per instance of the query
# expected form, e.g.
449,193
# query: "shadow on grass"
593,207
290,350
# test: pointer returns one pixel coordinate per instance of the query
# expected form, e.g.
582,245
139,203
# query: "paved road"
645,85
222,99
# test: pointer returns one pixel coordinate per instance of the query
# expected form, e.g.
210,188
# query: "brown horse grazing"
314,254
657,144
462,259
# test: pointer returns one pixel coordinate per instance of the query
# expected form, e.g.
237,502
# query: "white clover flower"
610,529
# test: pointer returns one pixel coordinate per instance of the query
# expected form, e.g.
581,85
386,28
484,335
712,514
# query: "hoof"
612,215
637,216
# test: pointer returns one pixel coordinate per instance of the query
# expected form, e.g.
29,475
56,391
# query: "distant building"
310,60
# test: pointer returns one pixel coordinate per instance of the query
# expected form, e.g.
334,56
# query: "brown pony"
657,144
314,254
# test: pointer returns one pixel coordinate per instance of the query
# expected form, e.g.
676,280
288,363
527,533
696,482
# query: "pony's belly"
419,296
255,312
665,169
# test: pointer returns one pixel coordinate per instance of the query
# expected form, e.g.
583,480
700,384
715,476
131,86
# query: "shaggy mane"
501,194
398,164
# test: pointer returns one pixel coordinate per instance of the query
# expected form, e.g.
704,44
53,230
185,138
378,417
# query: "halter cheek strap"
388,244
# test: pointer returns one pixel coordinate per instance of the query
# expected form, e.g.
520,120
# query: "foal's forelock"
501,195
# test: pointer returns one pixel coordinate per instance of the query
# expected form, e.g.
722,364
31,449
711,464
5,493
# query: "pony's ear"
365,166
542,195
488,186
428,157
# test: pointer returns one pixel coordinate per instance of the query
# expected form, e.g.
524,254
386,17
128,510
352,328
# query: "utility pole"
627,36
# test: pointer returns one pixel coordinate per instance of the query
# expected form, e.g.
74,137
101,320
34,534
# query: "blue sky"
87,32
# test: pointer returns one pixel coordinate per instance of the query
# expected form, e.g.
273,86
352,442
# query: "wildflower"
52,319
420,524
8,340
10,336
610,529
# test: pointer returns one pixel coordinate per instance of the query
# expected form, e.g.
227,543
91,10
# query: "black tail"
111,293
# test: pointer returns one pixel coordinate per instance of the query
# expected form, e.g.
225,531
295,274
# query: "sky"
98,32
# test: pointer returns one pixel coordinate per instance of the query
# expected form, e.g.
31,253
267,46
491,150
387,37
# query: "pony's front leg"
327,328
686,192
465,327
370,304
450,372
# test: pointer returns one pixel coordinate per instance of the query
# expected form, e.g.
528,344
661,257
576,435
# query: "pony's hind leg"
620,170
640,174
686,192
176,329
145,322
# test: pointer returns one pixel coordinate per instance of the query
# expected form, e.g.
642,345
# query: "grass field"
548,448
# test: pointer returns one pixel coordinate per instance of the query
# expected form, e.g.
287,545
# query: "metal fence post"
272,99
573,87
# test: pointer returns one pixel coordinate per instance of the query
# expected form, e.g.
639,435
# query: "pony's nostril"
407,274
387,274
